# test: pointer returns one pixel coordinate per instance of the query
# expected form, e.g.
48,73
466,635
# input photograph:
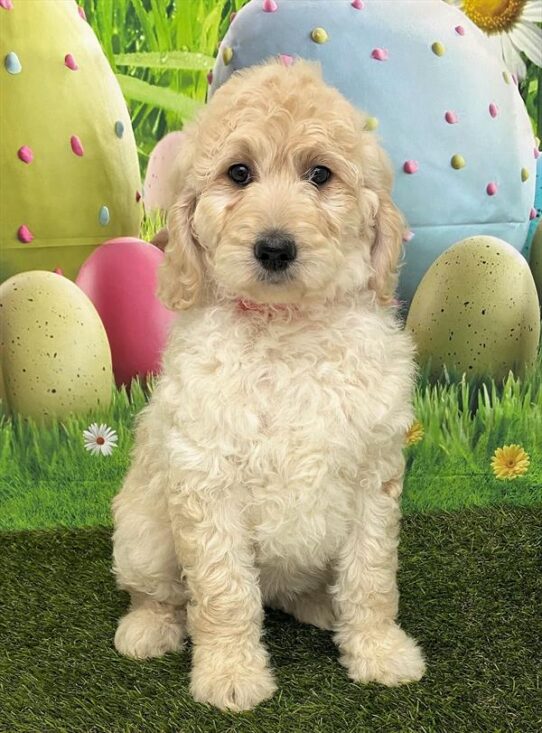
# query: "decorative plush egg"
120,279
159,186
476,311
536,260
438,96
68,157
54,350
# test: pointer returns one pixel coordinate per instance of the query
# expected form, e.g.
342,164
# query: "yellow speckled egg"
55,355
476,311
536,260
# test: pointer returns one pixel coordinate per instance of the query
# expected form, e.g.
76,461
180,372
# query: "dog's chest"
287,414
290,414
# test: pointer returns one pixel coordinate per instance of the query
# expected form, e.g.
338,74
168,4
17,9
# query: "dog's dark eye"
240,174
319,175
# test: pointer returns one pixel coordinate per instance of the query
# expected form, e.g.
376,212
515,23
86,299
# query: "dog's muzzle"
275,251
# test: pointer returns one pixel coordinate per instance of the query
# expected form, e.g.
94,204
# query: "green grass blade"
166,60
167,99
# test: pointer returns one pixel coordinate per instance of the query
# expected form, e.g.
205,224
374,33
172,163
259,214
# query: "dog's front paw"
386,655
231,681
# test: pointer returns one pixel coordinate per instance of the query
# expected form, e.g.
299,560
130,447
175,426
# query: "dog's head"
282,196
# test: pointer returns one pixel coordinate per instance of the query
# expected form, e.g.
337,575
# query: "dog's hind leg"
146,566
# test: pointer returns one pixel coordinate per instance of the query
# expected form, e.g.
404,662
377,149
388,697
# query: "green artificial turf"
471,589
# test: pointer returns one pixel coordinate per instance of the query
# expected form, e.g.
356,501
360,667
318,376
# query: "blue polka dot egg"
446,110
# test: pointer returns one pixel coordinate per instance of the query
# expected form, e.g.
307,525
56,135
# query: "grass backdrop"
48,479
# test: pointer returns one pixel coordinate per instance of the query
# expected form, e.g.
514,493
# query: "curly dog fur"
268,465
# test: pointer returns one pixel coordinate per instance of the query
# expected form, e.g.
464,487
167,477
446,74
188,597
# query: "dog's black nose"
275,251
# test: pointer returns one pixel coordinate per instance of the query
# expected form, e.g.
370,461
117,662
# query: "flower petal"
532,11
512,58
528,38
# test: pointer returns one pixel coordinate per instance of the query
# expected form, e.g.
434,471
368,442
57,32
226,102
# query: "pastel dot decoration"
319,35
25,154
70,62
411,166
12,63
457,162
77,146
63,161
427,57
119,128
24,234
104,216
380,54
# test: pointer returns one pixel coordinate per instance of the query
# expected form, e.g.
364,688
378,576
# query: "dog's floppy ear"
180,276
389,223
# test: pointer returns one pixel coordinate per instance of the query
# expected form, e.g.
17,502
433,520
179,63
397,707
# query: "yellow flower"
511,26
414,433
509,462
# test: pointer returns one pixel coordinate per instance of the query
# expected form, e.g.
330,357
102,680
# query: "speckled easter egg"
120,279
536,260
68,157
54,350
476,310
454,126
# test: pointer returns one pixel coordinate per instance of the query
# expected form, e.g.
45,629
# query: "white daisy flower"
100,439
511,27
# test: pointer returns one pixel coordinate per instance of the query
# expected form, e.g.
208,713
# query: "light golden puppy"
268,465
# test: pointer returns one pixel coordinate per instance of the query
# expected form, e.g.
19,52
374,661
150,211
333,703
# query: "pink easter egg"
120,278
492,188
158,189
451,118
493,109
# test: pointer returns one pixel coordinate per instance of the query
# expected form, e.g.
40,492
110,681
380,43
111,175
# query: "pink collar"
249,305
